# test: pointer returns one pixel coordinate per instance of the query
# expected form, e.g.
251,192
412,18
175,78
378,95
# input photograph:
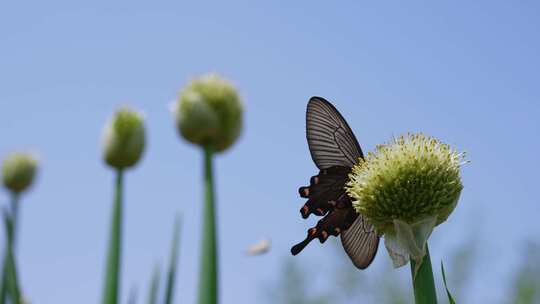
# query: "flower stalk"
423,282
209,114
11,281
15,216
18,174
124,143
208,281
112,273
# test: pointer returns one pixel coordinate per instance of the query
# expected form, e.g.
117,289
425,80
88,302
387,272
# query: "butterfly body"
335,150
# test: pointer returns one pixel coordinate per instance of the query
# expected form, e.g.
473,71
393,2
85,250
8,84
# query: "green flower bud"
209,112
406,188
124,139
18,171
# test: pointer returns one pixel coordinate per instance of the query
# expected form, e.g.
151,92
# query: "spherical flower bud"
406,188
18,171
124,139
209,112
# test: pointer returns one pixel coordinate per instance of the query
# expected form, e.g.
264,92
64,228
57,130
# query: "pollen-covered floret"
411,178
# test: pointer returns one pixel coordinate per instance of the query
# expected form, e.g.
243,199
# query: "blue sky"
466,72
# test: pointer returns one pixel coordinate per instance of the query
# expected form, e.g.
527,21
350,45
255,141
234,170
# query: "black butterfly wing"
335,150
360,242
324,191
330,139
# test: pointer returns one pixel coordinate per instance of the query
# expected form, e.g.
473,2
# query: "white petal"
399,256
413,238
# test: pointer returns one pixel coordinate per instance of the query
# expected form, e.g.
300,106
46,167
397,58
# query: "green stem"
112,277
15,217
11,240
208,281
423,283
3,287
10,285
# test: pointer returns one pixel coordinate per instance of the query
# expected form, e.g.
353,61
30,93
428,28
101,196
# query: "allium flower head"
18,171
124,139
405,188
209,112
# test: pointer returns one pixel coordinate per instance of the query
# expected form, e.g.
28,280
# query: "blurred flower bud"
209,112
124,139
18,171
405,189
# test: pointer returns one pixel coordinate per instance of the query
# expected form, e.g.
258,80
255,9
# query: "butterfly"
334,150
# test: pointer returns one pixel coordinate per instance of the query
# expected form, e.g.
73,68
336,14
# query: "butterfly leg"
333,224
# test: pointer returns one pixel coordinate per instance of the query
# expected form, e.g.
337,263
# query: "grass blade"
154,287
450,298
132,297
208,277
171,274
112,273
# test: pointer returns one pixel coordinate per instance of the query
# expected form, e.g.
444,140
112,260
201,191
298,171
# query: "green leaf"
112,272
450,298
154,286
171,273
